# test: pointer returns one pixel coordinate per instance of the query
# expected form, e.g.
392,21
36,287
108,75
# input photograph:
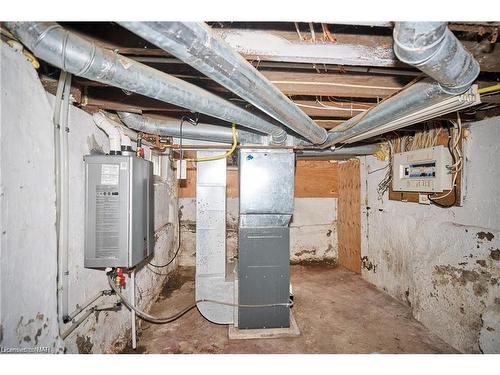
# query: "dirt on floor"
336,311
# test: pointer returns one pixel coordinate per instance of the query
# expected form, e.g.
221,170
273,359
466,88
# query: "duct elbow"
432,48
134,121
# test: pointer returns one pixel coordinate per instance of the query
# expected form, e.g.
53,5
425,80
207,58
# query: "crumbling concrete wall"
313,230
443,263
28,238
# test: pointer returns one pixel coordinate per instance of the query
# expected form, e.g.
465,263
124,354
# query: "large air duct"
196,44
65,50
431,47
202,132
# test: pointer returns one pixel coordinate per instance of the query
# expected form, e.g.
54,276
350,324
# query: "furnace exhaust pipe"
196,44
67,51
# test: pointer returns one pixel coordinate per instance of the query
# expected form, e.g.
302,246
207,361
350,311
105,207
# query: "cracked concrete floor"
336,310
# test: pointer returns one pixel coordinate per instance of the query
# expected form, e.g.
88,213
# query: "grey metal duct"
340,153
202,132
436,52
432,48
196,44
63,49
418,96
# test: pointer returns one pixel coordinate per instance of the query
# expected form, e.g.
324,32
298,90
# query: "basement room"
219,185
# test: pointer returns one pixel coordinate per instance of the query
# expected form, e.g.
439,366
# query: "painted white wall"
444,263
313,230
28,239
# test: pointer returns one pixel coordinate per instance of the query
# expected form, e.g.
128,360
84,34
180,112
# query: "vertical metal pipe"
196,44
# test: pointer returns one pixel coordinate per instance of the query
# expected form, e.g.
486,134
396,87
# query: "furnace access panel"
119,202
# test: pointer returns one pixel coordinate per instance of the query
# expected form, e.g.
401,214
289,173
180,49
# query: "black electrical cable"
178,245
193,122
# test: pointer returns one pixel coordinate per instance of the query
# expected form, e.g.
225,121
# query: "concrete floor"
335,309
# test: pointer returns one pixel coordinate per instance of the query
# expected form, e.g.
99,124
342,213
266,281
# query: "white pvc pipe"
124,138
111,130
132,311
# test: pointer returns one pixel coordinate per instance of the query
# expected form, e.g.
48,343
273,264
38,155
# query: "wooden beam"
331,109
316,84
328,124
334,84
287,47
351,49
50,85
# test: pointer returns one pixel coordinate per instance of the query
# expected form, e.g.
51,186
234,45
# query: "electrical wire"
383,185
489,89
220,156
363,114
298,31
161,320
456,167
176,251
327,107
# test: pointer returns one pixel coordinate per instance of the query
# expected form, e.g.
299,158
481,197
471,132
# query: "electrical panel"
424,170
119,229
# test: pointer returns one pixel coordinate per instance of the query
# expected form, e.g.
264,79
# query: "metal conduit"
67,51
431,47
196,44
202,132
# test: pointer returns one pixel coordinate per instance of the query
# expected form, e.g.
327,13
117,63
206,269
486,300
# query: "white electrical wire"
328,107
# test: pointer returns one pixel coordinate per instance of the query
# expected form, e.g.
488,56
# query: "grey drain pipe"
195,44
202,132
431,47
67,51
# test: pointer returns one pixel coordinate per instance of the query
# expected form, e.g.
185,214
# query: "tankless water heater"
119,202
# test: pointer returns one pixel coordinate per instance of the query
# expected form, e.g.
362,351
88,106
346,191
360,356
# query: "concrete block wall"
313,230
27,220
443,263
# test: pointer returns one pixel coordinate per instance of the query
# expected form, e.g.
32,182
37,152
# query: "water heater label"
110,174
107,222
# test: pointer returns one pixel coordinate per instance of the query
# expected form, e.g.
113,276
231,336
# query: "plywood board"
313,179
316,179
349,216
